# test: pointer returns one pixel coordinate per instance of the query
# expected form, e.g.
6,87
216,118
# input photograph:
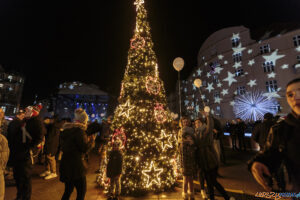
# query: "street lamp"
178,64
198,84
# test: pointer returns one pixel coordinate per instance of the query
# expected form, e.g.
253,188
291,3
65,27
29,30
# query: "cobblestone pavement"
235,178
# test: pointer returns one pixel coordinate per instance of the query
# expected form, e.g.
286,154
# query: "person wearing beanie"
25,138
74,144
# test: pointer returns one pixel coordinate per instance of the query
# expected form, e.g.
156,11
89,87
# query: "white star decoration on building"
208,74
232,103
218,70
235,92
219,85
235,36
250,51
199,72
224,91
297,49
285,66
210,87
125,109
271,75
238,49
218,100
202,96
272,95
251,62
273,57
220,57
251,83
225,62
186,102
230,78
149,172
237,65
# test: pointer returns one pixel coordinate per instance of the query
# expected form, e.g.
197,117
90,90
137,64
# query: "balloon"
178,63
198,82
206,109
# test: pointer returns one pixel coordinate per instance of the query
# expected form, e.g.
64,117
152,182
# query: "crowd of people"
28,138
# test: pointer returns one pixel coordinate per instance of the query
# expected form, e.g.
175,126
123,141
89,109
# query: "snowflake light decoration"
253,106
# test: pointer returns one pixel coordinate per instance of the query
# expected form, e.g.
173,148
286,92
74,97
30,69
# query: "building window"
237,57
298,59
296,40
216,94
271,86
218,110
265,49
235,42
268,66
239,72
241,90
204,83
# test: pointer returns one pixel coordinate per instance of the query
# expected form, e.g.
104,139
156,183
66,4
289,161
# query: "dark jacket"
114,165
187,152
206,156
20,150
283,146
74,144
261,131
52,139
240,128
105,132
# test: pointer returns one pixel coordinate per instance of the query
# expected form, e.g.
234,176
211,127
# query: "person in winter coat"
51,148
4,155
240,131
114,170
74,143
233,134
24,140
187,153
3,123
283,145
261,131
206,157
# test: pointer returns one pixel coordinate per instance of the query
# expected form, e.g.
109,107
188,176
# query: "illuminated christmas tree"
142,118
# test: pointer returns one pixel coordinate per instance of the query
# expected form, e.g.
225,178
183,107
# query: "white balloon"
198,82
206,109
178,63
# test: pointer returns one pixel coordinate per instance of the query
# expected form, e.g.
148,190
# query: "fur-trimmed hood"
74,125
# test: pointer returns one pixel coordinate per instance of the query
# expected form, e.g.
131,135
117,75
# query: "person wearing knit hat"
81,116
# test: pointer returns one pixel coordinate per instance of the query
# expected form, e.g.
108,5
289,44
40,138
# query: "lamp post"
178,64
198,84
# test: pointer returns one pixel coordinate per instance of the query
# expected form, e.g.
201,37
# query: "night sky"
51,42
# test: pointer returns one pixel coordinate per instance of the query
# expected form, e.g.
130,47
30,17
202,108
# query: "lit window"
271,86
296,40
215,79
10,77
235,42
237,57
239,72
3,108
268,66
216,94
265,49
241,90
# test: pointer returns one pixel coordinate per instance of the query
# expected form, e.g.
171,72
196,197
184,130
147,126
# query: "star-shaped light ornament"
271,75
297,49
208,74
165,140
149,173
125,109
251,83
285,66
238,49
230,78
237,65
210,87
218,100
273,57
271,95
250,51
219,84
251,62
220,57
199,71
218,70
138,4
224,91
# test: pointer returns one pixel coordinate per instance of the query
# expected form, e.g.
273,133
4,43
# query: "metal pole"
179,91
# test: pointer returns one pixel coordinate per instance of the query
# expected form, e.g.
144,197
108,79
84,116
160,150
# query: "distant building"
11,88
74,95
234,61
